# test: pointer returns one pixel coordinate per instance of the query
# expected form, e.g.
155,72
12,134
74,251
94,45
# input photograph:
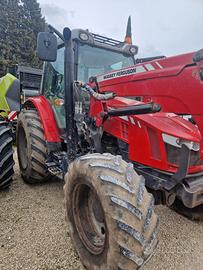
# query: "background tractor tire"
31,146
6,155
110,213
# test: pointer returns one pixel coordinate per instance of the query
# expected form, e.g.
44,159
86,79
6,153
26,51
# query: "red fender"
44,109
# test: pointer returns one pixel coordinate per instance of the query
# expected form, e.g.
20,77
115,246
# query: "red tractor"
96,141
176,83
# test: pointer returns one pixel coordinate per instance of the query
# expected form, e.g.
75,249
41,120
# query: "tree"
8,33
32,23
20,21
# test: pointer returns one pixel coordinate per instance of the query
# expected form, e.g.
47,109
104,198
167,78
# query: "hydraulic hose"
96,95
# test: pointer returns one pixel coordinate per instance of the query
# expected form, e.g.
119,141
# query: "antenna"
128,37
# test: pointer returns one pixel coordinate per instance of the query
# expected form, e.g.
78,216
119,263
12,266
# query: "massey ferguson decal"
120,73
116,74
126,72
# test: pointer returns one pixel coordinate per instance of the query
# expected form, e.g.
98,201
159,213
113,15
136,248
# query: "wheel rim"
23,151
89,218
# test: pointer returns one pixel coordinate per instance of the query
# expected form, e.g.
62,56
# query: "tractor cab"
92,55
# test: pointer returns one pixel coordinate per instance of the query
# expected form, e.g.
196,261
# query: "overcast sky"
165,27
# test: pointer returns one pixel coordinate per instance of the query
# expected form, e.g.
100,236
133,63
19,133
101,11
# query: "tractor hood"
173,125
168,123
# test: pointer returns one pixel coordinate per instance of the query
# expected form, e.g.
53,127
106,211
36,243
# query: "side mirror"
47,46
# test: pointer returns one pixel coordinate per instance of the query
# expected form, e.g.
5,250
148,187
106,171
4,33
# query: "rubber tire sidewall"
27,172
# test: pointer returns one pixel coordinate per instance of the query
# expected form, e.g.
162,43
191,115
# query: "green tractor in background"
9,102
13,91
9,95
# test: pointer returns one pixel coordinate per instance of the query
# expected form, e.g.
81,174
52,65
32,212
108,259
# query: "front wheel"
110,214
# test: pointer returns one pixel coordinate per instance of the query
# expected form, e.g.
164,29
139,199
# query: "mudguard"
45,112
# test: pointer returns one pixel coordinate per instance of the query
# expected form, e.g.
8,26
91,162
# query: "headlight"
195,146
130,49
84,36
177,142
133,50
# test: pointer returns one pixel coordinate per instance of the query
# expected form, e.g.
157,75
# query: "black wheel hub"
89,218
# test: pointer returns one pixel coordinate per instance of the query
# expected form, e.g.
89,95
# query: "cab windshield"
94,61
90,61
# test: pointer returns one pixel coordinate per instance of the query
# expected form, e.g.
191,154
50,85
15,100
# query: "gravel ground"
33,233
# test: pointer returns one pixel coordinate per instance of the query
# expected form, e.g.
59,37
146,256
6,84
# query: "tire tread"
31,123
6,155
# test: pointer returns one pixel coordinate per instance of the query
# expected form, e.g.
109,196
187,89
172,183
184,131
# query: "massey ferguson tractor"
107,148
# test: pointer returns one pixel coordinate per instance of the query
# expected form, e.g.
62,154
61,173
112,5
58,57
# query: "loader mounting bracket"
184,163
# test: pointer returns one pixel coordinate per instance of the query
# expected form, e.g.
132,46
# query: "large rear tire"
6,155
110,213
31,146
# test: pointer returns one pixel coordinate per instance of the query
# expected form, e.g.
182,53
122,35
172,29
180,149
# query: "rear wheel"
32,149
110,214
6,155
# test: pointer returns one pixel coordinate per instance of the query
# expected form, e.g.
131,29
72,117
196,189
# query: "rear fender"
44,109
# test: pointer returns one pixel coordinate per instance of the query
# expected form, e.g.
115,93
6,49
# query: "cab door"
53,88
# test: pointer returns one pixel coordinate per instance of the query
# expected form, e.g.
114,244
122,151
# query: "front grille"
174,153
154,144
124,130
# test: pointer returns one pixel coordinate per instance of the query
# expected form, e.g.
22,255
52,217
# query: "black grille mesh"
173,156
